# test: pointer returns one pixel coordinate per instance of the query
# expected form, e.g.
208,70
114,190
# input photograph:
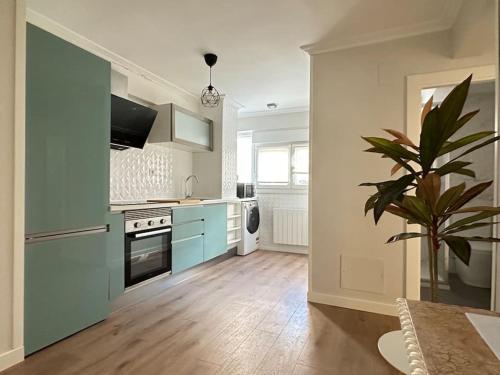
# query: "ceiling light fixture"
272,105
210,97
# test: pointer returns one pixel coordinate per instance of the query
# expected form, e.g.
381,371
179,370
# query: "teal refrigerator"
67,189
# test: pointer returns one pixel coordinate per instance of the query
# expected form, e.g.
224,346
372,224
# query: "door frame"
414,85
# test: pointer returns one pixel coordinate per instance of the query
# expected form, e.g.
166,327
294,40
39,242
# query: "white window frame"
290,186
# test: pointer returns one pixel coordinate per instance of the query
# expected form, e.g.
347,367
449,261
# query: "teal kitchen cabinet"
187,252
186,230
67,189
187,237
215,230
68,109
187,214
65,288
115,255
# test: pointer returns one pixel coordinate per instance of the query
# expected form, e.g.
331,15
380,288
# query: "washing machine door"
253,218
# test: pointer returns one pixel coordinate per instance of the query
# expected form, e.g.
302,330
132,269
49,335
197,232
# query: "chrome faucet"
186,185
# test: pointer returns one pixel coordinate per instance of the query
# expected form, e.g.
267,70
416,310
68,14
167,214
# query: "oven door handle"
151,233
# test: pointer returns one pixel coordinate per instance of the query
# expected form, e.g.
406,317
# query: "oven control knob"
163,221
150,222
137,225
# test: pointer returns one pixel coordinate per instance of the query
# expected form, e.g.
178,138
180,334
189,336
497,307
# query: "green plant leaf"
465,172
471,219
370,202
460,246
469,227
405,214
452,146
482,239
417,207
389,194
495,210
470,194
451,167
477,147
430,139
462,121
389,148
405,236
449,197
452,106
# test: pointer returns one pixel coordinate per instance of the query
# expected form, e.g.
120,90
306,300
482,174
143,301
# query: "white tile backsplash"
157,171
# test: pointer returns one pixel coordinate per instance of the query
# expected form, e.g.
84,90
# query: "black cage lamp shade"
210,97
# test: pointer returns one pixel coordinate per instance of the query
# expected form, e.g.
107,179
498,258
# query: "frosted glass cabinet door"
191,129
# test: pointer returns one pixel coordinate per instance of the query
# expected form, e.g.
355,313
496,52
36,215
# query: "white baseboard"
284,248
11,357
353,303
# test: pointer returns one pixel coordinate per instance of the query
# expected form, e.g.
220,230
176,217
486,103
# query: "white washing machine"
250,221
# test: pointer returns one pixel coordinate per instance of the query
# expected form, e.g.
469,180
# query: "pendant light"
210,97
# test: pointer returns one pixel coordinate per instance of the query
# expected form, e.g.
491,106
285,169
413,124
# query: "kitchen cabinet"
182,127
199,233
66,288
186,230
67,189
187,253
115,255
215,230
67,135
187,214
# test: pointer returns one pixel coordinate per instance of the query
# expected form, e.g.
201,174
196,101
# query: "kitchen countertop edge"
146,206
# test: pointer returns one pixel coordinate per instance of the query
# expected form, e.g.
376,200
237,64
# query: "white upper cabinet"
182,127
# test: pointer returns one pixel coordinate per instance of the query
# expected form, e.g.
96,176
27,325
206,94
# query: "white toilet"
478,273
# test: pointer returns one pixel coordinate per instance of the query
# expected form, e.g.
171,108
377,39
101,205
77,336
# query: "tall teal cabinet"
67,189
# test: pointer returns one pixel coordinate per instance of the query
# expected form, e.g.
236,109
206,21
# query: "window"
300,165
282,166
273,165
244,157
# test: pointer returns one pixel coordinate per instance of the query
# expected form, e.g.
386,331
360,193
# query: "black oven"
147,254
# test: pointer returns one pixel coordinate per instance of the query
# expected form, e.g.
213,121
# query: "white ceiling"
258,41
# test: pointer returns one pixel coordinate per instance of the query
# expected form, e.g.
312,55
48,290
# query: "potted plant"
417,196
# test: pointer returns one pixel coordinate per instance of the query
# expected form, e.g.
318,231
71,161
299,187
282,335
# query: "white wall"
472,32
273,120
216,170
277,128
357,92
12,45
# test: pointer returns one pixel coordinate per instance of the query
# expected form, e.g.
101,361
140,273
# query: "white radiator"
290,226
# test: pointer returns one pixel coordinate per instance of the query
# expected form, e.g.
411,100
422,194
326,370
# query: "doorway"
458,284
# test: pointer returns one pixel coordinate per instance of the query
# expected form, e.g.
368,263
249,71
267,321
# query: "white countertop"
117,207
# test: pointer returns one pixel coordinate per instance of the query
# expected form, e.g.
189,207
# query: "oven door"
147,254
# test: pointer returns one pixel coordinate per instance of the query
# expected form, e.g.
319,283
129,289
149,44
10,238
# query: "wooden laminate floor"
242,316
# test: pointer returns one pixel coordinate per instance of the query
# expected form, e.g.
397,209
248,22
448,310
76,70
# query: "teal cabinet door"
187,253
186,214
67,135
116,255
191,229
66,288
215,230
